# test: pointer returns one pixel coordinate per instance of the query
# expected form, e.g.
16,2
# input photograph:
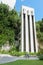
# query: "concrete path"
8,58
29,58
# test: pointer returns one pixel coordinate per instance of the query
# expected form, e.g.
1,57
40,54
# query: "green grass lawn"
25,62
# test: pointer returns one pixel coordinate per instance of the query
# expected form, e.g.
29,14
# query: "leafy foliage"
39,28
9,24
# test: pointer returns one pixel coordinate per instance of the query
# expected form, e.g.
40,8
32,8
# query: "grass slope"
25,62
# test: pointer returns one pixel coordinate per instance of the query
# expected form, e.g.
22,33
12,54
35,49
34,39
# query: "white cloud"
11,3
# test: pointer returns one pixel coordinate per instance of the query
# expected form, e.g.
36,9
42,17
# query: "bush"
4,52
15,53
40,54
32,54
41,57
13,48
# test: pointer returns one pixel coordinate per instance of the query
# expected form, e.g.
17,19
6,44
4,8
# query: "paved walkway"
8,58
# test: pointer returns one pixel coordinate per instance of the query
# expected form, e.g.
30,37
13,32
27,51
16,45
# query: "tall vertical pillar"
36,41
27,37
31,35
22,33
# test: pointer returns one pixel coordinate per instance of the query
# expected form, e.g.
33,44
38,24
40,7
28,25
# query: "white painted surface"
27,40
31,35
29,11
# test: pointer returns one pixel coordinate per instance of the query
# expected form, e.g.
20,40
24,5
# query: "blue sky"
36,4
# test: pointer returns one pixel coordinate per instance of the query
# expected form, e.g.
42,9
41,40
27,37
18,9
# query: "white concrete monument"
28,31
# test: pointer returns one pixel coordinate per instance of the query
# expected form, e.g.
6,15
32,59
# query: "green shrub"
15,53
33,53
13,48
40,52
4,52
41,57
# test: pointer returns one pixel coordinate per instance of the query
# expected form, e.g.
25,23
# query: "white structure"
28,32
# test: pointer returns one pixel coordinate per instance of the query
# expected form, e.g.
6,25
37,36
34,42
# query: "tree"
9,24
39,28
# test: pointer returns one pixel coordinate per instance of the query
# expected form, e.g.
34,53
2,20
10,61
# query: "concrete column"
36,42
27,40
22,33
31,35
